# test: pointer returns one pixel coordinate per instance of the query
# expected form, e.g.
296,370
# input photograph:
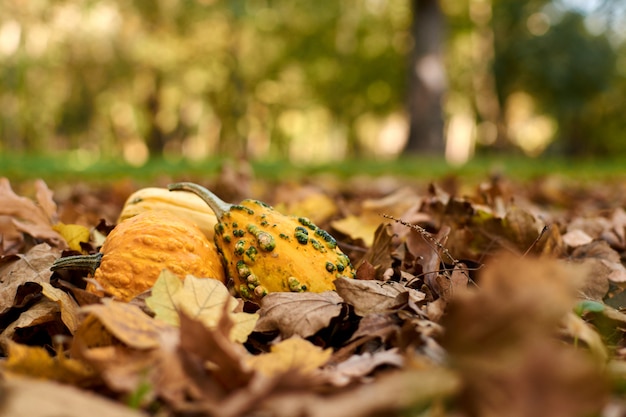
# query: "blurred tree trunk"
427,80
156,138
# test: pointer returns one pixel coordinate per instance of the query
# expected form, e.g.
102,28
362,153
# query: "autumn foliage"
493,300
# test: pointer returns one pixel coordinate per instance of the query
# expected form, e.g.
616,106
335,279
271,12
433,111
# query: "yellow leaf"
73,234
127,323
318,207
289,355
202,299
35,361
359,227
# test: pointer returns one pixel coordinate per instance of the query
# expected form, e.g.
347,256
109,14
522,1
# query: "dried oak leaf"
293,354
373,296
203,299
33,218
301,314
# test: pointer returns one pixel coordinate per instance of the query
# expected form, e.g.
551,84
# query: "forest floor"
474,293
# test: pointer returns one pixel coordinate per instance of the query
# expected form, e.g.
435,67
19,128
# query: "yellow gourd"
265,251
185,205
138,249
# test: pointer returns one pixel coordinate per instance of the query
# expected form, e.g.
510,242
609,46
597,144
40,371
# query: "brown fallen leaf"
379,255
32,397
427,250
27,216
601,250
42,318
226,359
126,322
502,339
300,314
373,296
357,367
33,266
67,305
388,395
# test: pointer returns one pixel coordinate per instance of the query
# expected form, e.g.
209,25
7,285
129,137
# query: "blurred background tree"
310,81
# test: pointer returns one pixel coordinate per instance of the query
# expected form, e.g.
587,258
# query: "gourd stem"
218,206
89,262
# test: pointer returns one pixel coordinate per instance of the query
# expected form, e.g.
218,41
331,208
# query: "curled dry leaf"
301,314
373,296
42,318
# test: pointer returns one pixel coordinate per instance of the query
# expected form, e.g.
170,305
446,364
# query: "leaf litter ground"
485,300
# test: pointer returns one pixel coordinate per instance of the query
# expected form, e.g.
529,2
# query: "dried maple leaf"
301,314
293,354
203,299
